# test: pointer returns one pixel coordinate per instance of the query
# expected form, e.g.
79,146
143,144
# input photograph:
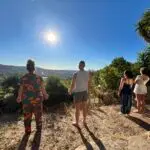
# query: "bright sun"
50,37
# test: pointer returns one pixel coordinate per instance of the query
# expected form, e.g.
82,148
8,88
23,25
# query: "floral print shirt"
32,93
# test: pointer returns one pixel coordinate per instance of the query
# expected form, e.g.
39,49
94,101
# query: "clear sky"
92,30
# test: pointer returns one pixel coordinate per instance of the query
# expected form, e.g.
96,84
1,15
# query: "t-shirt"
81,82
32,85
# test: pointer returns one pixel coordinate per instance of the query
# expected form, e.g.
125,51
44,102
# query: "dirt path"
107,130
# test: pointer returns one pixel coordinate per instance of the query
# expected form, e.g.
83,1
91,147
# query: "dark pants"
126,103
30,109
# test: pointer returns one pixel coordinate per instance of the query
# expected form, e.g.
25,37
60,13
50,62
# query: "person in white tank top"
79,89
140,89
81,82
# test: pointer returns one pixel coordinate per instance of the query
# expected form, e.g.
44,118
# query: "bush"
109,78
10,105
57,91
11,85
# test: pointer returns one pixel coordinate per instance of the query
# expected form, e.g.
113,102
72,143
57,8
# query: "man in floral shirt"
31,94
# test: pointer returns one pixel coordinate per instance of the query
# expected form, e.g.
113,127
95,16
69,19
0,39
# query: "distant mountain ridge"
10,69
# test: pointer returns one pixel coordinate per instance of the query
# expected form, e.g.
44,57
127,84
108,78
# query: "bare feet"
75,124
136,111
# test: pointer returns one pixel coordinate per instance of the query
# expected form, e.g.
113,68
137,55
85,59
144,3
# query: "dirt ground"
106,130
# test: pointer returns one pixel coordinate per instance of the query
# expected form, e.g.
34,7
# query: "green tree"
11,84
143,26
121,64
109,78
144,58
56,90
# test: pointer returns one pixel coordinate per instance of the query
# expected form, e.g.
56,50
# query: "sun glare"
50,37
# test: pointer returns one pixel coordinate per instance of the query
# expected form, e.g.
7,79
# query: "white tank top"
81,82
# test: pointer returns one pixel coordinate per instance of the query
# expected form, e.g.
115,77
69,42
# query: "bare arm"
72,84
121,85
44,91
20,92
137,80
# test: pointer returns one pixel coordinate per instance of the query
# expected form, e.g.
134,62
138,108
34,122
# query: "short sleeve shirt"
32,92
81,83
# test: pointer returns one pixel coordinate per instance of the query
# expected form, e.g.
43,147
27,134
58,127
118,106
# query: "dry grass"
106,130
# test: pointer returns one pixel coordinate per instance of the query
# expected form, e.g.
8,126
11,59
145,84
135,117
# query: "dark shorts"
80,96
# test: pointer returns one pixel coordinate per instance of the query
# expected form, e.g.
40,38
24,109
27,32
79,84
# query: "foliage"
66,82
143,26
11,85
144,58
109,77
10,105
135,67
56,90
121,64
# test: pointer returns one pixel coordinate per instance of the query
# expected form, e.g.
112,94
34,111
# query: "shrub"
57,91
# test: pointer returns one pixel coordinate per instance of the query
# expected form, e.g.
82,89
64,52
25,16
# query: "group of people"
129,87
32,93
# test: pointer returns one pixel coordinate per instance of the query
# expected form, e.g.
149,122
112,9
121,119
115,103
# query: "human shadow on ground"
97,141
95,114
140,122
102,111
24,141
147,112
85,141
36,141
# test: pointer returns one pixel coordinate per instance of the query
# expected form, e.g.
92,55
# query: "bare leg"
84,106
77,113
143,103
138,98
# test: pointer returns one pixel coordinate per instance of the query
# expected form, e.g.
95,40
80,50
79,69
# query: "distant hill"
8,70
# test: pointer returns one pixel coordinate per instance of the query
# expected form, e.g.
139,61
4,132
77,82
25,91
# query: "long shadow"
102,111
140,122
95,139
86,143
147,113
91,112
23,142
36,141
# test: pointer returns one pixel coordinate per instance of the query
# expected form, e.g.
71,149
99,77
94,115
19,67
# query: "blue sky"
92,30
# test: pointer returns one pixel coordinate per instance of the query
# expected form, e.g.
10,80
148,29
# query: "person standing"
126,91
79,89
31,94
140,89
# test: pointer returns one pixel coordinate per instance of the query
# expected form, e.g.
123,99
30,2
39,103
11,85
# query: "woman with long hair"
125,92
